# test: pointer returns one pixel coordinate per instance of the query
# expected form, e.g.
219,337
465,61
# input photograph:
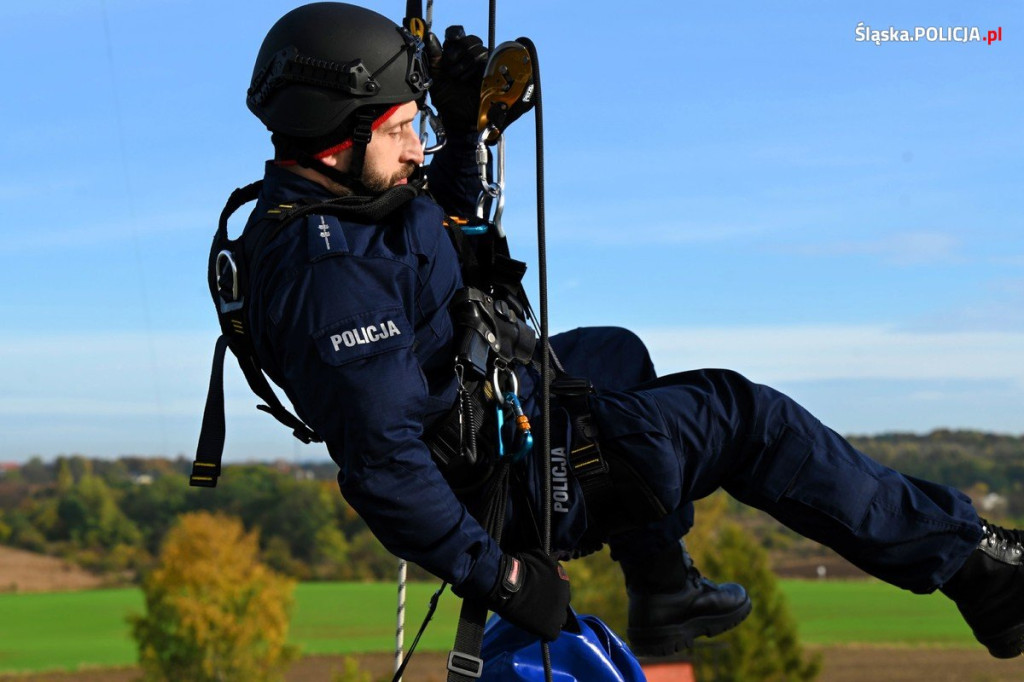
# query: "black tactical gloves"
532,593
457,70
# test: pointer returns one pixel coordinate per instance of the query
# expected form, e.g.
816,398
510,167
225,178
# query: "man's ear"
339,160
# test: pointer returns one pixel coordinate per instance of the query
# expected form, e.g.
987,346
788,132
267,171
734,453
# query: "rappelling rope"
545,352
403,567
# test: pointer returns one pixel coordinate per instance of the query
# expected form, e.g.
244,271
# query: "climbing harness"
232,261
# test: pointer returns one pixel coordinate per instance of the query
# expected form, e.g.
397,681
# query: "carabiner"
522,443
499,392
493,190
500,411
428,117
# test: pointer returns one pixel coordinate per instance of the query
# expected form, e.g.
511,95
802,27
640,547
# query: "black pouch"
460,445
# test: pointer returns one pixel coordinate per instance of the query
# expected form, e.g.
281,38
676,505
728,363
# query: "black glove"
458,72
532,593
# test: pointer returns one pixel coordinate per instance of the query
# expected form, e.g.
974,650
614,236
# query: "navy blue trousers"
692,433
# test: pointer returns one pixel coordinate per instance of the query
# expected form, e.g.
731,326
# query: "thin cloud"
903,248
830,352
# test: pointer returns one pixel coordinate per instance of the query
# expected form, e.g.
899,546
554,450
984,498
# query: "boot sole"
666,640
1007,644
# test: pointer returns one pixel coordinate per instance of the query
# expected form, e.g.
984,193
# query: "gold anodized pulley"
508,74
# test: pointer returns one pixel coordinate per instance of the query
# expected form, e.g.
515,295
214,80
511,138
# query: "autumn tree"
214,612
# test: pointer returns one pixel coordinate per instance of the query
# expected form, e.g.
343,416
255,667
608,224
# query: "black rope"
431,608
492,15
545,353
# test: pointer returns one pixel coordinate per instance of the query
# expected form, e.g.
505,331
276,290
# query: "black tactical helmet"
321,63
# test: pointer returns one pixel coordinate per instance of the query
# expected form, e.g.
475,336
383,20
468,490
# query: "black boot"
989,591
671,603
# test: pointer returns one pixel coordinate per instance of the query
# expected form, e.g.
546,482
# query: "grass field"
73,629
871,612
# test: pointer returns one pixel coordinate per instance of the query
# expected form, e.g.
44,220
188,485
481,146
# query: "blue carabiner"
501,423
522,442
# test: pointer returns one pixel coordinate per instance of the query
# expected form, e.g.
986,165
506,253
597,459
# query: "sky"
745,184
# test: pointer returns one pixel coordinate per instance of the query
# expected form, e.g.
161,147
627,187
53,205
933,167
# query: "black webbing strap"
588,464
206,467
464,662
361,135
261,387
210,450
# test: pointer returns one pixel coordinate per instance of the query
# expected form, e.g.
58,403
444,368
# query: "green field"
74,629
871,612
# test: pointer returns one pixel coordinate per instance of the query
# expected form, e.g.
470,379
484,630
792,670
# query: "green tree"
36,471
214,613
598,588
65,478
156,507
92,517
330,556
5,530
297,511
764,648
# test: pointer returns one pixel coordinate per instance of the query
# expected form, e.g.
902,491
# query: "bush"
214,613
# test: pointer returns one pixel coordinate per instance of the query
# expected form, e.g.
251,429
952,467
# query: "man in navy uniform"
353,319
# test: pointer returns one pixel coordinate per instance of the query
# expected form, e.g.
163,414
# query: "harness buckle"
204,475
465,664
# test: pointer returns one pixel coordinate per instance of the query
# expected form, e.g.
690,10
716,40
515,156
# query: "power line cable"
141,287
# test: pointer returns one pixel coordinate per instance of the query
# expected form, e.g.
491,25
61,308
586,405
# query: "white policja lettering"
360,336
559,481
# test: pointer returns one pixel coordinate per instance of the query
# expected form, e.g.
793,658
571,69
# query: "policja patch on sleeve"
363,335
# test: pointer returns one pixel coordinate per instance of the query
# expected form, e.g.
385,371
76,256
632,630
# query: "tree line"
975,462
111,515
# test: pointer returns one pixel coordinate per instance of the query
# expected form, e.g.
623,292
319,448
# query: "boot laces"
1002,537
694,577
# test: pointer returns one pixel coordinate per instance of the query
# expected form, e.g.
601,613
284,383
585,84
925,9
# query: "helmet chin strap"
352,178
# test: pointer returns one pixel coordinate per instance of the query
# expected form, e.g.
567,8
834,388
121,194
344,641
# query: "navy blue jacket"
352,321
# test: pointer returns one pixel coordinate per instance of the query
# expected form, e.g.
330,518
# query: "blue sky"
744,184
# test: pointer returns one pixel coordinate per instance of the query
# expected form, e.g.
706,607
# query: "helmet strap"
361,135
352,178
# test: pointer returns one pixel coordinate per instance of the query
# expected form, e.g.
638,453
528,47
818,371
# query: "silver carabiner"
499,392
494,190
428,117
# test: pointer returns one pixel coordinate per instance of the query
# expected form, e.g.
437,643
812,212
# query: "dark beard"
377,182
